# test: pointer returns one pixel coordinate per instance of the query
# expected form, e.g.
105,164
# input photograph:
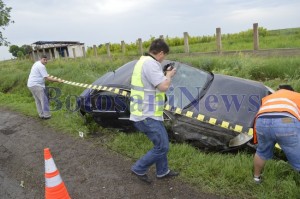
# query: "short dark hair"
44,56
286,87
159,45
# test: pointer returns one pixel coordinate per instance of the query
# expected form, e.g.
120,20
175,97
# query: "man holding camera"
148,86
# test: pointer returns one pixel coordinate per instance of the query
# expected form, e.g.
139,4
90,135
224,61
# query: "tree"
14,49
5,20
26,49
22,51
20,54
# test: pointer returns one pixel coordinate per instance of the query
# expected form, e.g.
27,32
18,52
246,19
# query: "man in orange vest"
278,121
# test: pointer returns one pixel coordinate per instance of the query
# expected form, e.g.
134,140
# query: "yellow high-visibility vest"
139,106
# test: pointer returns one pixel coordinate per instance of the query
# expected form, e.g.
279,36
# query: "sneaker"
170,174
257,180
46,118
143,178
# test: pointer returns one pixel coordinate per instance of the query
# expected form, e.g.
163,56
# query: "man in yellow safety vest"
148,86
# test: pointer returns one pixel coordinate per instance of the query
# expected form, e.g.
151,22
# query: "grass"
268,39
224,174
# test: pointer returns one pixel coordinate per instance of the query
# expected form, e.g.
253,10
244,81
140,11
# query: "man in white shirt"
36,84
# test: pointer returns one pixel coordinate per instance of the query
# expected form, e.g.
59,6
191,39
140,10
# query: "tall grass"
268,39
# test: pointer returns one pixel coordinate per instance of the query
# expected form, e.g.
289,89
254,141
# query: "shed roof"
56,42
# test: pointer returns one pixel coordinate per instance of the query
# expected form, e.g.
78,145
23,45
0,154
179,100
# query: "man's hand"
51,79
168,67
166,84
170,73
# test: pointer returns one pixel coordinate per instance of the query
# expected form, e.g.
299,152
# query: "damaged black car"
209,111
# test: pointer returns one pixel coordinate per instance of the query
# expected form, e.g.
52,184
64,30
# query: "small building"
57,49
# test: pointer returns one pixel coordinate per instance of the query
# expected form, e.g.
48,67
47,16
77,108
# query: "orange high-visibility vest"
280,101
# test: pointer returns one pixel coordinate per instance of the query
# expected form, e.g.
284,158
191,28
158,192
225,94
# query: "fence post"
83,51
140,46
108,49
95,50
255,36
219,40
186,42
123,47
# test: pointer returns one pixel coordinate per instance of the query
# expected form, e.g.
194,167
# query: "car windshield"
187,85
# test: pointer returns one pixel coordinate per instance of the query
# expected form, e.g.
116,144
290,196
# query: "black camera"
170,66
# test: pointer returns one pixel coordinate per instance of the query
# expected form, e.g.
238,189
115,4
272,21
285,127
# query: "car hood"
231,99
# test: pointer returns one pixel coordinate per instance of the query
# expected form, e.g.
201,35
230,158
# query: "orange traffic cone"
55,187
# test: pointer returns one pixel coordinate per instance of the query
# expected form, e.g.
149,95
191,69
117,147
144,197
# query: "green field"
225,174
268,39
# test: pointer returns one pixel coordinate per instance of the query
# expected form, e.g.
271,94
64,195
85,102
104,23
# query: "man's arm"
51,79
166,84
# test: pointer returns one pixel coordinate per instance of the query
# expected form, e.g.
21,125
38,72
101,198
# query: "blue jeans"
156,132
283,130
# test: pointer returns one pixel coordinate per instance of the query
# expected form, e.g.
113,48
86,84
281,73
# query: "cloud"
114,7
103,21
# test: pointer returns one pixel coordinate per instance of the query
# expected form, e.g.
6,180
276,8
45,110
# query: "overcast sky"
102,21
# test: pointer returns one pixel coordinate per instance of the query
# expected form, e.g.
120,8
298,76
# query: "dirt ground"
89,171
